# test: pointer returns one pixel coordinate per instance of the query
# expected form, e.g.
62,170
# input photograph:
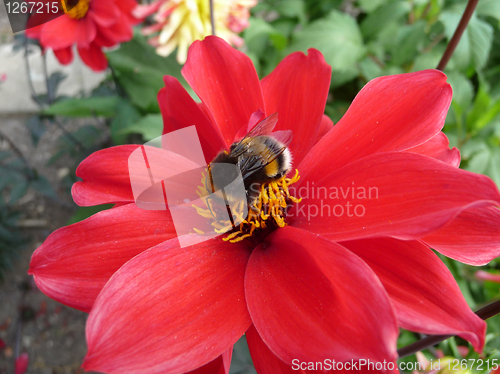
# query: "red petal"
226,81
399,194
170,309
127,8
425,295
34,32
87,31
52,37
325,126
93,57
121,31
107,174
473,237
390,113
104,13
64,31
36,21
220,365
105,177
64,55
75,262
438,147
311,299
265,361
103,37
297,90
179,110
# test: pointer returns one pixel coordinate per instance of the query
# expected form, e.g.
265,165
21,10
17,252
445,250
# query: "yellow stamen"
78,11
205,213
265,198
268,208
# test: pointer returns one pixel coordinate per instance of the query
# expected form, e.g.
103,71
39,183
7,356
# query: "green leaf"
37,128
428,9
370,5
382,17
481,38
140,71
150,127
19,188
471,147
494,171
292,8
87,211
428,60
87,136
463,91
54,81
489,8
412,38
126,115
481,104
5,154
84,107
488,116
284,26
370,69
475,44
261,34
479,162
318,8
337,36
8,177
43,186
377,49
483,159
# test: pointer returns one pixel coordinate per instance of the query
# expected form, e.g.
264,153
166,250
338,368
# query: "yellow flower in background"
180,22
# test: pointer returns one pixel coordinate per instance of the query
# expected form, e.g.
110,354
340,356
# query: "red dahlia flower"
91,25
325,286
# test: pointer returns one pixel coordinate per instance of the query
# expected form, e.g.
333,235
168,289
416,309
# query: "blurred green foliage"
361,40
17,178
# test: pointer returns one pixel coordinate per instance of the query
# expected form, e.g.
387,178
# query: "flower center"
75,11
267,211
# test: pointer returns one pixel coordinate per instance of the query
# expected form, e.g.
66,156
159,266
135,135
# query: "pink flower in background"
180,22
22,363
91,25
484,275
3,77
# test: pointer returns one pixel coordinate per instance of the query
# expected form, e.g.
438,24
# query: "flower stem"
487,312
50,98
34,95
462,25
212,16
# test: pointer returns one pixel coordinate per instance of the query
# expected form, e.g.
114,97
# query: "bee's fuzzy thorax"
287,160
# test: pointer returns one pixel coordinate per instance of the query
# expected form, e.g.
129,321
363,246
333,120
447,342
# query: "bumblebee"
261,156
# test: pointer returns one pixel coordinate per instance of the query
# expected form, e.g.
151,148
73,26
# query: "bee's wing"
264,127
284,136
250,165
